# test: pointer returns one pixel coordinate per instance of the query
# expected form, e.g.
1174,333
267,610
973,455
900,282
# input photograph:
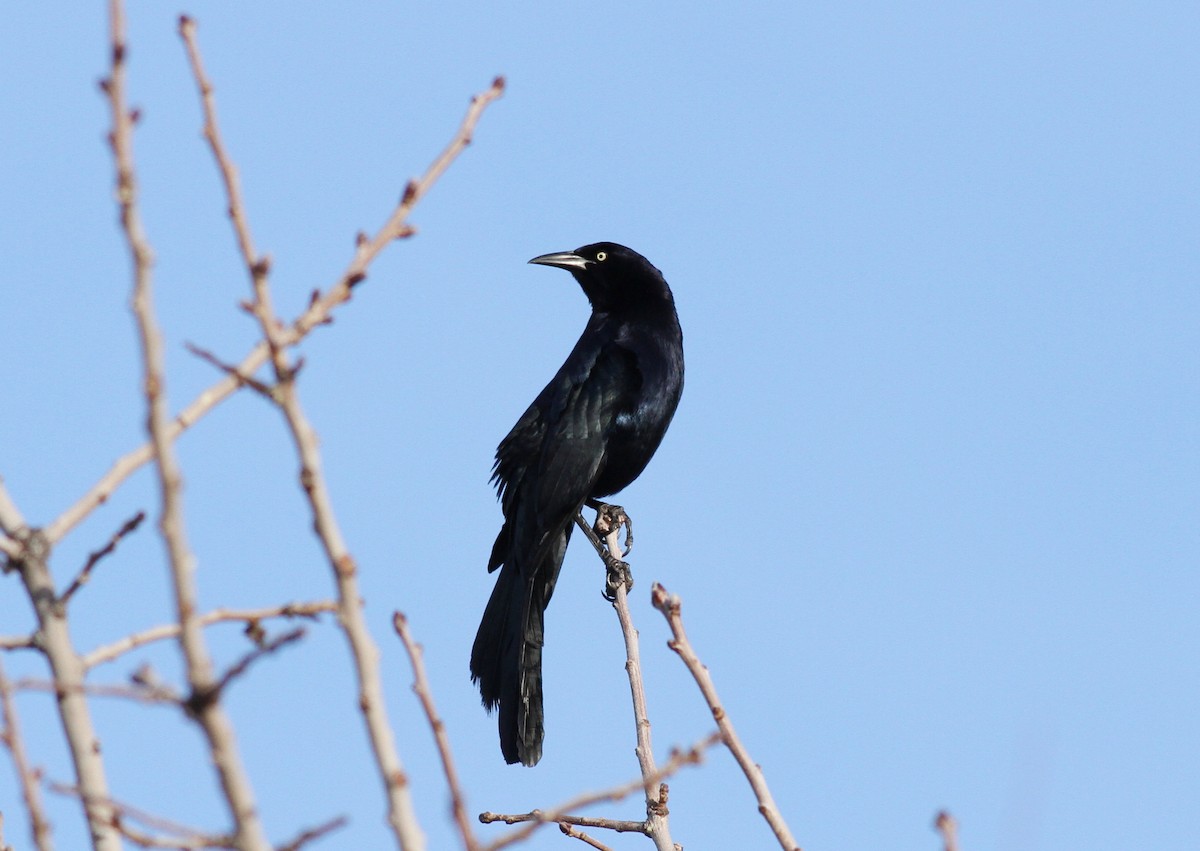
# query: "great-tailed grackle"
588,434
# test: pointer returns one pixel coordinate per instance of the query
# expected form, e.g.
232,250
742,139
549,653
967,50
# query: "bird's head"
613,277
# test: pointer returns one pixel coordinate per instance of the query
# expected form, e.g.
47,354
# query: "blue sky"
931,497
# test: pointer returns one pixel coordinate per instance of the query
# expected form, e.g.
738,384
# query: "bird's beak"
563,260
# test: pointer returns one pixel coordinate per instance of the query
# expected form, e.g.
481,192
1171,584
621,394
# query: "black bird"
588,434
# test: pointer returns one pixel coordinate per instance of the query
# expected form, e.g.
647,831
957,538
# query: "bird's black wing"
545,468
574,449
546,465
519,448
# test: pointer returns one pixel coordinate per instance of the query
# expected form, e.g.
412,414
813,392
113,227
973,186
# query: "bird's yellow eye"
601,256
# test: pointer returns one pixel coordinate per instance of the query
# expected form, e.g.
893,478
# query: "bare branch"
425,695
401,812
251,617
17,642
396,226
218,731
947,826
27,776
615,825
658,827
402,815
231,370
313,833
11,521
163,431
568,830
81,579
676,760
656,793
229,176
317,313
142,839
175,835
670,607
54,640
141,692
536,818
242,665
258,267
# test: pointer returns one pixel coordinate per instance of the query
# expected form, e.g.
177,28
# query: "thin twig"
615,825
401,811
211,717
27,776
658,826
317,313
141,692
670,607
17,642
676,760
66,667
314,833
240,667
229,176
178,835
142,839
402,815
231,370
425,695
251,617
11,522
257,266
947,826
656,793
82,577
568,830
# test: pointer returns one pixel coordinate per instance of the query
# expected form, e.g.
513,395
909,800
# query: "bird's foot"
605,536
619,575
609,519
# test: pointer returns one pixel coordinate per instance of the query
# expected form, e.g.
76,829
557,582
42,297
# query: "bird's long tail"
506,660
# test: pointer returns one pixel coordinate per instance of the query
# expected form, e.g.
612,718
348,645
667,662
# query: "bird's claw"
610,518
607,529
618,575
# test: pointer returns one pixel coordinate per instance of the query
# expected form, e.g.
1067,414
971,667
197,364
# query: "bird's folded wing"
580,422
